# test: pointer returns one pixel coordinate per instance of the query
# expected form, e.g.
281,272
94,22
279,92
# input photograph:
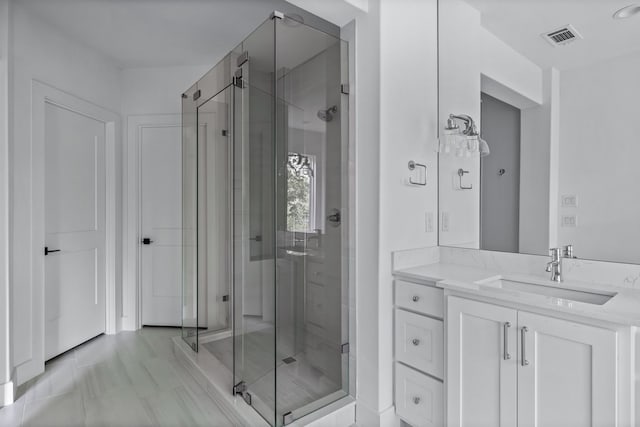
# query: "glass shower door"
312,295
290,198
254,226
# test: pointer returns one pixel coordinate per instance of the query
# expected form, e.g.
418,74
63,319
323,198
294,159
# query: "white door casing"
43,94
74,226
142,134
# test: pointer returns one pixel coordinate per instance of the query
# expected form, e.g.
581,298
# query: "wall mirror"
539,104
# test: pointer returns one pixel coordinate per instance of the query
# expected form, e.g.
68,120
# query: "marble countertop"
623,308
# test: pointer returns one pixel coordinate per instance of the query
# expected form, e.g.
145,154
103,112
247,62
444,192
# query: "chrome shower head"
327,115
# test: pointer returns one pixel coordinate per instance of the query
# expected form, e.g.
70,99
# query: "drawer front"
420,342
419,398
421,298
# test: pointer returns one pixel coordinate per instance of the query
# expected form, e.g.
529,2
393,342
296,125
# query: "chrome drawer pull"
523,337
415,298
417,400
506,354
415,341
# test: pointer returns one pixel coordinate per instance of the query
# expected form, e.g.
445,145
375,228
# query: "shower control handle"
334,217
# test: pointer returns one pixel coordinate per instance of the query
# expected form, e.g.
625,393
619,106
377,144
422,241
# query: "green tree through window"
299,198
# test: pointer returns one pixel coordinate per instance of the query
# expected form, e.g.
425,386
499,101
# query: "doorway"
500,176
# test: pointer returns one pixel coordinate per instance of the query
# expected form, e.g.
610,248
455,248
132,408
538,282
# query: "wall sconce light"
465,142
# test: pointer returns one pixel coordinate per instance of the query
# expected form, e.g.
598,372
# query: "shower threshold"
217,380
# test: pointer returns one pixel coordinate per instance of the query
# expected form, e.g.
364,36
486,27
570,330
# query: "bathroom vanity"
477,347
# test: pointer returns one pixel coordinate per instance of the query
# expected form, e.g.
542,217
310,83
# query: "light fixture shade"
462,142
483,147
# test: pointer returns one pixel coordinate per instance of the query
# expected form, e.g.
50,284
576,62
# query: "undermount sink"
556,291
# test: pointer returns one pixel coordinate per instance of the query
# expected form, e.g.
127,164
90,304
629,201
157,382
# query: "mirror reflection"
538,147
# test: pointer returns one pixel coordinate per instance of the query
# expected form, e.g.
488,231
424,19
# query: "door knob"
47,251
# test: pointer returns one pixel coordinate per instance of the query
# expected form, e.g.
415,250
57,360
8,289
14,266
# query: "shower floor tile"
299,382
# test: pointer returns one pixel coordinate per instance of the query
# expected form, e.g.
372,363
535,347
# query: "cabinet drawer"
419,398
421,298
420,342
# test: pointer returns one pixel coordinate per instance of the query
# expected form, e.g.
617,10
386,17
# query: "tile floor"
130,379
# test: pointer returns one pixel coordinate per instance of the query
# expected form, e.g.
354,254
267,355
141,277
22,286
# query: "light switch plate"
569,221
569,201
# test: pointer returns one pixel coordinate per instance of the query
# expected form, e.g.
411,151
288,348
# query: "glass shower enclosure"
265,170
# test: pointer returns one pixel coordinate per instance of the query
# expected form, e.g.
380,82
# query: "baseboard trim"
366,416
7,393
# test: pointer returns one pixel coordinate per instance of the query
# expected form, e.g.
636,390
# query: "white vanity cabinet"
419,354
508,367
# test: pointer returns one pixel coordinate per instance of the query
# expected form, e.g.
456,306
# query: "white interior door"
75,211
161,214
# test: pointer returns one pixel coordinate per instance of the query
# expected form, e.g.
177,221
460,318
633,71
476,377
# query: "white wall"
41,53
599,154
157,90
6,385
473,60
408,131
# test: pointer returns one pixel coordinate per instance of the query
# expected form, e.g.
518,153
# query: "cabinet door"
482,369
567,373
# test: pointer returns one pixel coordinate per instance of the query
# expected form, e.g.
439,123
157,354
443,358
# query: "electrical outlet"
569,221
428,222
445,221
569,201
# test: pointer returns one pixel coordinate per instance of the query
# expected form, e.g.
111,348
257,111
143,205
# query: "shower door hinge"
344,348
239,388
244,57
287,418
196,95
237,79
277,14
225,298
224,132
344,89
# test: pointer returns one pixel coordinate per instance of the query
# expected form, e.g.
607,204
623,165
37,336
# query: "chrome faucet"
555,266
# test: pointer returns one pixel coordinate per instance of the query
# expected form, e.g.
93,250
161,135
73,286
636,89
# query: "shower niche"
265,218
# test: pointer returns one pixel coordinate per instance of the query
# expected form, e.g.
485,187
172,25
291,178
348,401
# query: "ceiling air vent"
562,36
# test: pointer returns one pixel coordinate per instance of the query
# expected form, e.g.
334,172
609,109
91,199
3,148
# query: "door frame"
132,283
41,95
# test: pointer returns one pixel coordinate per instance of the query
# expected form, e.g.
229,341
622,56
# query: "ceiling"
157,33
519,23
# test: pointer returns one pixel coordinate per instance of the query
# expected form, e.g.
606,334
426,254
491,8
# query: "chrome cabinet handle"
523,336
417,400
505,331
415,341
415,298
